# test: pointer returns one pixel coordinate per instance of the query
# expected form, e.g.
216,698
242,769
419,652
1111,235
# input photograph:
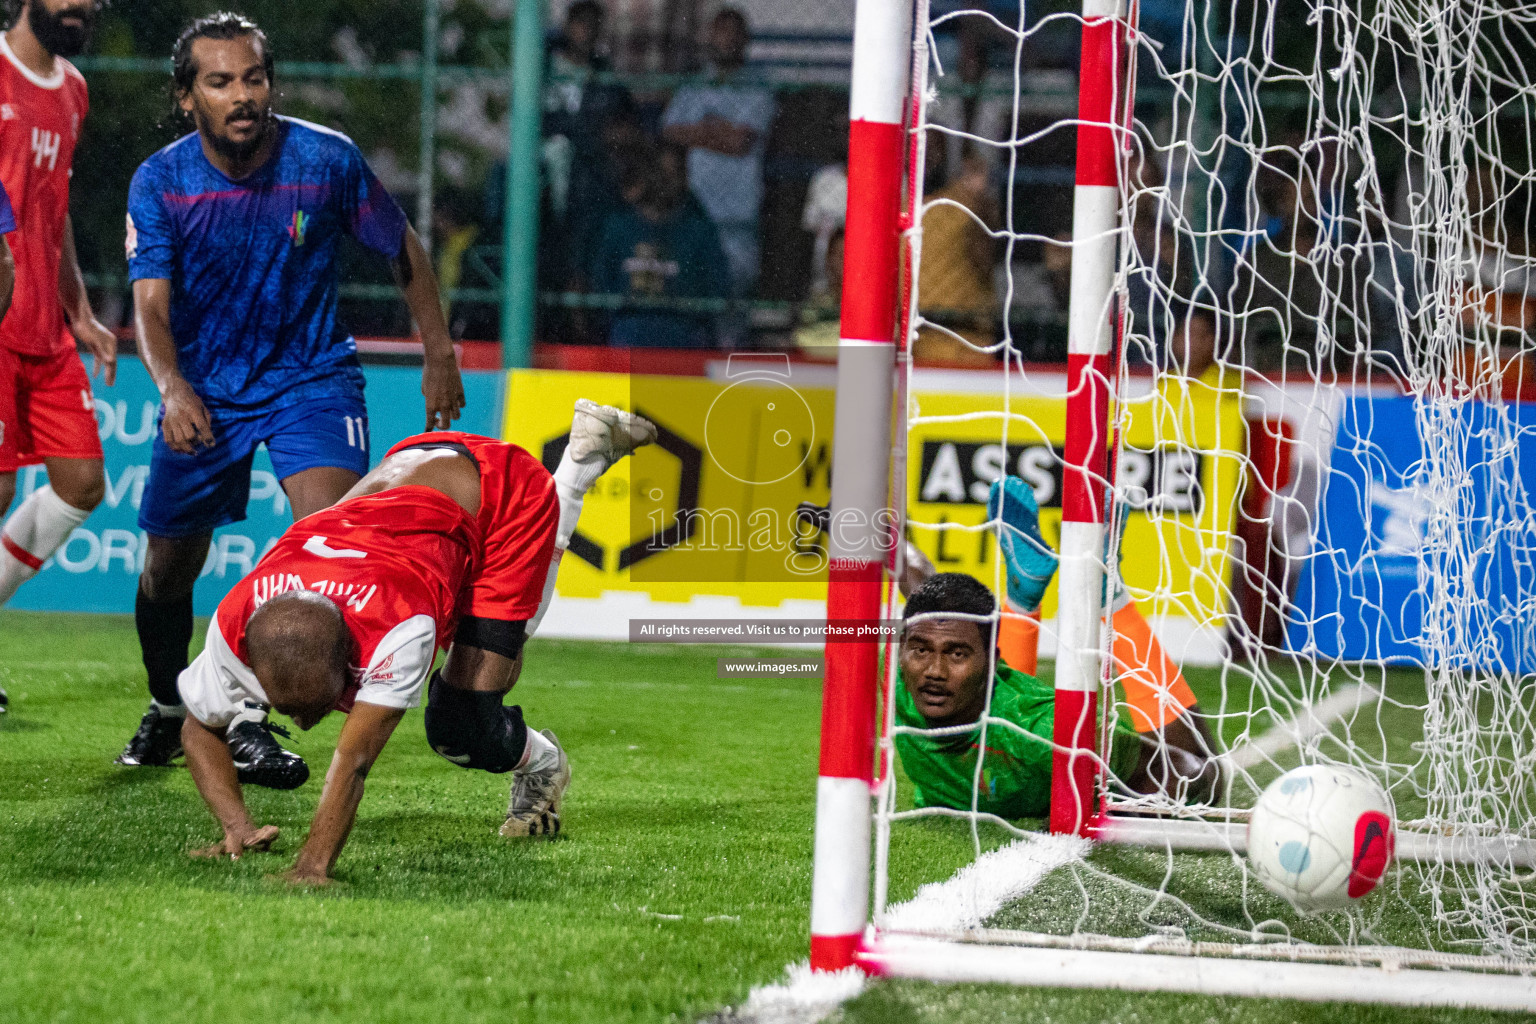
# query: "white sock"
169,710
572,480
32,534
577,477
539,755
570,512
249,712
549,586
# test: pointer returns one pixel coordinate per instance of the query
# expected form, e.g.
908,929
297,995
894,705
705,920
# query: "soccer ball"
1321,836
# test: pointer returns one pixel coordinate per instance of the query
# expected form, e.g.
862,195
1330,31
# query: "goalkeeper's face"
944,666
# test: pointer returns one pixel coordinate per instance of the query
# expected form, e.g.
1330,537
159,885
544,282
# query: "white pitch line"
986,885
965,900
804,997
1311,721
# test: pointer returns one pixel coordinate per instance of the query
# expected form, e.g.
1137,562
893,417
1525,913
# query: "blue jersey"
252,263
7,215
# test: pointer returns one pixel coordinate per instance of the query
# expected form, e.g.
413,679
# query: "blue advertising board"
97,569
1406,535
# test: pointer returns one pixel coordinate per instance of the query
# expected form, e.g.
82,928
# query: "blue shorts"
188,495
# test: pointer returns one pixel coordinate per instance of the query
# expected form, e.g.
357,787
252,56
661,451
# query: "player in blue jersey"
7,277
232,235
7,285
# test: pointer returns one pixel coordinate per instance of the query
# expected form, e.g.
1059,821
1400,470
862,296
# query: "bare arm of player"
367,729
187,425
440,382
213,770
89,331
7,276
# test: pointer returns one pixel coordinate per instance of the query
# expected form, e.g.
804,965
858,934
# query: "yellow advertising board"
1180,469
710,508
714,507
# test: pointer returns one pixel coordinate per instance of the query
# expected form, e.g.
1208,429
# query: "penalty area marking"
963,901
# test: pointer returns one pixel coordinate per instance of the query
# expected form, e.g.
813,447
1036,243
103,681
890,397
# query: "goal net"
1250,288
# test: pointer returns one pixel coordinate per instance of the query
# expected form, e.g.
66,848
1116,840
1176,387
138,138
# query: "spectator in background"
824,215
820,330
454,233
1304,294
1192,345
660,246
578,175
1045,288
955,292
1161,278
724,124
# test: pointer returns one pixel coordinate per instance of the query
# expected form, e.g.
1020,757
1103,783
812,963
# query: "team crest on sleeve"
131,241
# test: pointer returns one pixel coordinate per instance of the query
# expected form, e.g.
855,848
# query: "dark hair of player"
952,592
299,647
224,25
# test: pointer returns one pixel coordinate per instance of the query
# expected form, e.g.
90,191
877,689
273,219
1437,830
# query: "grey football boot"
534,809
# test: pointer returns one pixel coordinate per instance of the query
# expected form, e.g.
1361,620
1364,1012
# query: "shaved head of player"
299,648
223,77
62,26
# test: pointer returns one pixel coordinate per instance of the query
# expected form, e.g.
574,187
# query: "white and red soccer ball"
1322,837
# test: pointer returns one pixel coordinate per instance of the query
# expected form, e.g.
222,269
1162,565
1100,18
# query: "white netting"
1327,290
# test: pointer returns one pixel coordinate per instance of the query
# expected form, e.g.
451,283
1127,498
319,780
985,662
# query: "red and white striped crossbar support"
1090,335
860,536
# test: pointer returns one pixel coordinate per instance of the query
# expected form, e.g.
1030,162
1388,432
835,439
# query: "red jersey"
40,121
394,562
519,515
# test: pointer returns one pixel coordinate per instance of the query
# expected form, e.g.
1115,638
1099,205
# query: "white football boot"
534,809
602,435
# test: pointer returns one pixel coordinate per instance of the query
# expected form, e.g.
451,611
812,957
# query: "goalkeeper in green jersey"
946,671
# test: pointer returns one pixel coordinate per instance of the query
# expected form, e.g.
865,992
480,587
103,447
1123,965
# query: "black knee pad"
474,730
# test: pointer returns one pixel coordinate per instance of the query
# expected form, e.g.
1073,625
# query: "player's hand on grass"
443,389
187,425
102,344
239,841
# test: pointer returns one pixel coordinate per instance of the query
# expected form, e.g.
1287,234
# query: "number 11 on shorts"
357,432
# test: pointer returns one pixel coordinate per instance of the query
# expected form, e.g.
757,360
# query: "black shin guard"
474,730
165,632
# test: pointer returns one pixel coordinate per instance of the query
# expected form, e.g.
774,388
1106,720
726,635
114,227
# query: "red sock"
1154,687
1018,639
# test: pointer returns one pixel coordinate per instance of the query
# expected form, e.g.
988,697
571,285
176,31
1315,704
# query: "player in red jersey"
453,540
46,411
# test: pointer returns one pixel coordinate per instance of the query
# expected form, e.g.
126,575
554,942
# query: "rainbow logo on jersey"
296,229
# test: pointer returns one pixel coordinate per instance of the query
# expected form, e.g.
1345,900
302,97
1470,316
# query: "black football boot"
261,761
157,742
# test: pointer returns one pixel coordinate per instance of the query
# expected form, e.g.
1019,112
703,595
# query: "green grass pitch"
683,878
